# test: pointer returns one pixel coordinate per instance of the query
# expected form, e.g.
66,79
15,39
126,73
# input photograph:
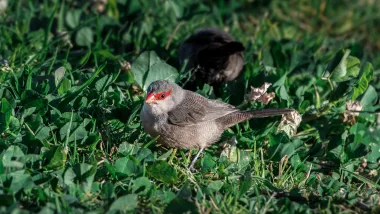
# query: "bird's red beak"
150,99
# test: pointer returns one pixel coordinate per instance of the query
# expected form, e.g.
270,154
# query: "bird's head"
163,95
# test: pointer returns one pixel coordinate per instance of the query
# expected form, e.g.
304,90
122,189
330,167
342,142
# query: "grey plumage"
213,54
185,119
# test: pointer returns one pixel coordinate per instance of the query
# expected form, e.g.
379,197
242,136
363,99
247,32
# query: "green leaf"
107,54
245,185
43,133
164,196
125,203
162,171
125,166
69,177
304,106
280,146
41,104
208,162
283,94
65,86
58,158
281,81
363,82
343,67
75,91
5,114
85,174
232,153
11,156
141,185
374,155
126,148
215,186
148,68
102,83
84,37
32,99
14,125
110,169
36,38
82,173
178,11
108,190
166,155
370,97
34,122
342,91
144,154
28,112
77,131
374,136
20,180
73,18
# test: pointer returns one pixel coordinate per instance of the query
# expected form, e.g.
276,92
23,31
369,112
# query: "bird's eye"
162,95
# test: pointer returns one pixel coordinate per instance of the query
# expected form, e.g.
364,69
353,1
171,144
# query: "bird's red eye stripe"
163,95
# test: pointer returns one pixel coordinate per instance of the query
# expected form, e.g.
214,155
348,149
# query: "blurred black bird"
214,57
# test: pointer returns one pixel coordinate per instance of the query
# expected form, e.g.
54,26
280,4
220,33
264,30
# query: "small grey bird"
185,119
214,55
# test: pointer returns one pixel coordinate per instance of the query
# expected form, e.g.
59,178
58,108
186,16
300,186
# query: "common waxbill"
213,55
185,119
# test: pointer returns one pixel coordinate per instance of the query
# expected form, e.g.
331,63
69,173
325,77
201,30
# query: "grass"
70,136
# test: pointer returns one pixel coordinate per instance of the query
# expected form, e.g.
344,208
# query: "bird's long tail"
240,116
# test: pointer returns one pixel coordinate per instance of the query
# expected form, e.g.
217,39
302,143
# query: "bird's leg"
191,167
189,154
172,156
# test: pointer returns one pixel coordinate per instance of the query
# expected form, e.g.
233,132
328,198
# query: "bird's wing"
195,109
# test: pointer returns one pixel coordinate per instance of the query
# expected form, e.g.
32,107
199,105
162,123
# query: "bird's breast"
196,136
150,121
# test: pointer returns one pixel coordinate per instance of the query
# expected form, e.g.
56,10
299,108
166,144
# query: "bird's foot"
233,141
193,170
191,167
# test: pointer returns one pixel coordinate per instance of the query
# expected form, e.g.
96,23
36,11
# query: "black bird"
214,57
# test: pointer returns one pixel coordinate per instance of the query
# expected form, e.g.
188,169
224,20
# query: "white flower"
3,5
260,95
349,116
289,123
